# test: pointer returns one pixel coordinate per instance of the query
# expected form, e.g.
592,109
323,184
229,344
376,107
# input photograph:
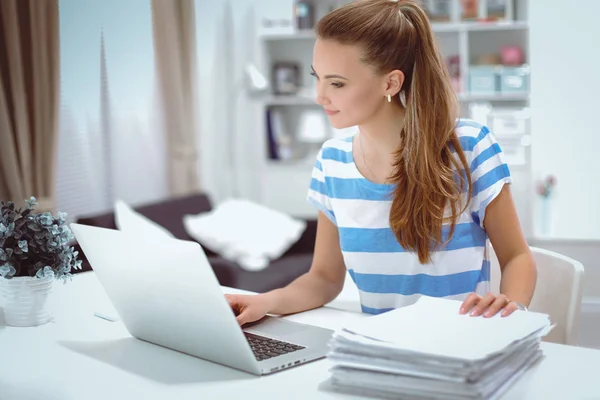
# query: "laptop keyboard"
265,348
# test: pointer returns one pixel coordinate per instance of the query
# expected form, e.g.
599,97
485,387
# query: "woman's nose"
321,98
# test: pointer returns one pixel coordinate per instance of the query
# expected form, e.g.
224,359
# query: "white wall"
565,84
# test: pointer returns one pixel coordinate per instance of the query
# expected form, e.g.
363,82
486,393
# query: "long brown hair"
431,171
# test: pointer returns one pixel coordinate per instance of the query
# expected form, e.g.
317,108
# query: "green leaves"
35,244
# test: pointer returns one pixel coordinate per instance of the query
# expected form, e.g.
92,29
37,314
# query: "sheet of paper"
434,326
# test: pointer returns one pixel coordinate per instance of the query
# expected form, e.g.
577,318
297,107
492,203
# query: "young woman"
408,203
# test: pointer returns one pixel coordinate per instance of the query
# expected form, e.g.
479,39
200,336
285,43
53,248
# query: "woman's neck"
382,133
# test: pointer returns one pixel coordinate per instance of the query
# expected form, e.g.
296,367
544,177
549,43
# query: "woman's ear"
395,80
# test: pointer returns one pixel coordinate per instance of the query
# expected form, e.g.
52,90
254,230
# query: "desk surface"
79,356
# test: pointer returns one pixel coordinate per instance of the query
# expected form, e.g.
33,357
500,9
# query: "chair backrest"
558,292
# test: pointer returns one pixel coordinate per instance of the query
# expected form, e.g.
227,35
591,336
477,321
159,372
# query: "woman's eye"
337,84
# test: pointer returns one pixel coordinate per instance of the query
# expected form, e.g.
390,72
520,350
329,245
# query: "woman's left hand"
488,305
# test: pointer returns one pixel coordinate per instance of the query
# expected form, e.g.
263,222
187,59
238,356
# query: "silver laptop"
166,293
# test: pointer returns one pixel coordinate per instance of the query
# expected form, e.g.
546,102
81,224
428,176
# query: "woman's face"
348,89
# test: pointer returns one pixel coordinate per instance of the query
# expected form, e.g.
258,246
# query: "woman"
406,204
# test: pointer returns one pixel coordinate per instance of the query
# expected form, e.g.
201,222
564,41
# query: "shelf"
494,26
438,27
493,97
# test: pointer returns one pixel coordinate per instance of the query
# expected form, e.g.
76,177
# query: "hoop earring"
389,97
402,96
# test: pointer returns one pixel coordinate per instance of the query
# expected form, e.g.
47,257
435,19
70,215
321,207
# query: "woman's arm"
322,283
519,272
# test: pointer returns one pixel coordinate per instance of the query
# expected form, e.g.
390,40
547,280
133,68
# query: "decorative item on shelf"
278,138
514,79
483,79
469,10
497,10
437,10
512,55
488,59
255,81
286,78
453,65
485,10
544,189
34,251
304,14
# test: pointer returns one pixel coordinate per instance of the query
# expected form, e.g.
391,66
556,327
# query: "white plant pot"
25,300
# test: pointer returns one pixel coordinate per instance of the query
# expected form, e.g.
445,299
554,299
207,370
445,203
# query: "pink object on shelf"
512,55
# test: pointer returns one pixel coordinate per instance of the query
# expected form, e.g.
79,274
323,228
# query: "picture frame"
286,78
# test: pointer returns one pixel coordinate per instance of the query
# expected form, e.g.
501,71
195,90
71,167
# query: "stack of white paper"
429,350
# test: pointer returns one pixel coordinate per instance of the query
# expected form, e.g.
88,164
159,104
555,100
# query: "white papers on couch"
244,232
128,220
429,350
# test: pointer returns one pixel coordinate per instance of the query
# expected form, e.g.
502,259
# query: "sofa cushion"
169,214
245,232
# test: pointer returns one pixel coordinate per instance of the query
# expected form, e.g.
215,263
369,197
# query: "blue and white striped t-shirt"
387,276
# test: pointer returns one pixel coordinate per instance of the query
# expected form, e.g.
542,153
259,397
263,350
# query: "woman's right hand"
249,308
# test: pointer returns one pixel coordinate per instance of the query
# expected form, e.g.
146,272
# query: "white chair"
558,292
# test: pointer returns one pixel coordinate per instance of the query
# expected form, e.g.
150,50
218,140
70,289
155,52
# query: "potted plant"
35,250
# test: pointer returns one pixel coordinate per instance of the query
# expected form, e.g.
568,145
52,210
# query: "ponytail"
428,190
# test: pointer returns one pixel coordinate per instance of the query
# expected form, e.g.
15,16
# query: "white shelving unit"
284,183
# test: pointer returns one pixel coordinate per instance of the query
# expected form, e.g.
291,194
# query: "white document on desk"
417,329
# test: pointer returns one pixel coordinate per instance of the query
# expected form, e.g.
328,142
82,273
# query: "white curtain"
110,141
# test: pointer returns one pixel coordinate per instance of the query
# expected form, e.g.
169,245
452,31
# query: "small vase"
25,299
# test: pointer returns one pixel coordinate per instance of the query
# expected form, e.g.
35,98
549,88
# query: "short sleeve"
489,173
318,191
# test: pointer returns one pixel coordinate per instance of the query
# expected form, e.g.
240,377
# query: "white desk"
79,356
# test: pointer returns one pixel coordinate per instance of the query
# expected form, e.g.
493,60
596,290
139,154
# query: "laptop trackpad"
274,327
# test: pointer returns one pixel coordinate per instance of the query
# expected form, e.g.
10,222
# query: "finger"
234,304
230,298
243,317
496,306
509,309
483,304
469,302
